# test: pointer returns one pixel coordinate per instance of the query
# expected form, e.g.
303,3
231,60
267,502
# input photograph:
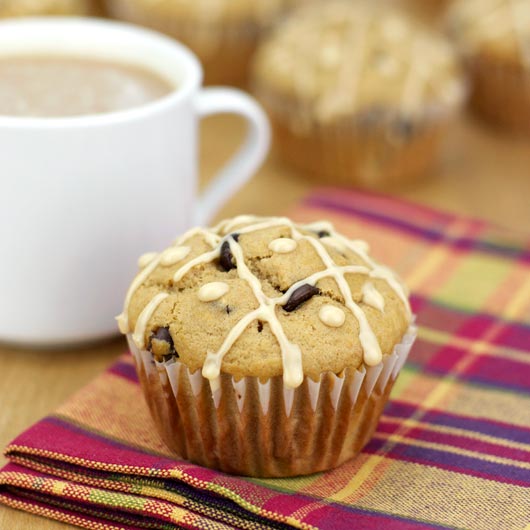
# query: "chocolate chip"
260,326
163,347
300,295
226,258
228,310
323,233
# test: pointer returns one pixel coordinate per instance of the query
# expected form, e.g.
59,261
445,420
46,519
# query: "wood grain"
482,174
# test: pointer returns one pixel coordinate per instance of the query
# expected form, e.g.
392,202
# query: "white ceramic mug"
82,197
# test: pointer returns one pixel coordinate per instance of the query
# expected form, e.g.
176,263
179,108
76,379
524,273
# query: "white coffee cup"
82,197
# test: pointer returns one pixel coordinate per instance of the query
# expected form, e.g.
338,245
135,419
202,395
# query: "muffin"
356,94
13,8
223,33
493,37
265,348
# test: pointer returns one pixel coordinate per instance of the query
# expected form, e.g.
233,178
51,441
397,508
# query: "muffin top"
264,297
212,12
494,27
338,57
11,8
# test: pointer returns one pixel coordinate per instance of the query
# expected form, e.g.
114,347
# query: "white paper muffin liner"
265,429
501,93
373,148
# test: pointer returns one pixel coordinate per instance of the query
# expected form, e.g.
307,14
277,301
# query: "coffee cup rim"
187,60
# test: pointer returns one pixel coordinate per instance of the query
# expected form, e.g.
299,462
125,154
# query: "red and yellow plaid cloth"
452,449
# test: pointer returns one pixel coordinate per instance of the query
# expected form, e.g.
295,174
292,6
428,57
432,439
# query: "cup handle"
249,157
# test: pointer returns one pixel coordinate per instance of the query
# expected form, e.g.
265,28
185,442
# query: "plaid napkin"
452,449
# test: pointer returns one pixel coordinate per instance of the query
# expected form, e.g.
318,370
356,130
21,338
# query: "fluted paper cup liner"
501,93
262,428
375,148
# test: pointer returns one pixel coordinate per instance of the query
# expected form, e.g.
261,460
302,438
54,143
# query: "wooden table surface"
483,174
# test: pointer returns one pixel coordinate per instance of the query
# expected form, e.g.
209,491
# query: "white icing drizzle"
332,316
320,226
203,258
213,291
173,255
211,238
267,307
264,224
379,271
372,297
283,245
229,225
314,278
333,242
123,318
372,354
141,323
146,258
360,246
266,312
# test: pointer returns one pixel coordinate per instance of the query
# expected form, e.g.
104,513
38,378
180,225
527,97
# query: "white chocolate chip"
174,255
213,291
283,245
332,316
146,258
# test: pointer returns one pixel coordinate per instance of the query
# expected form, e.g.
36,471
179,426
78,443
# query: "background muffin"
12,8
223,33
493,37
357,94
285,323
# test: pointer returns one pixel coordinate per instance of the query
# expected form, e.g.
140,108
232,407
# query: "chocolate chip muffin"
241,331
223,33
13,8
493,37
358,94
